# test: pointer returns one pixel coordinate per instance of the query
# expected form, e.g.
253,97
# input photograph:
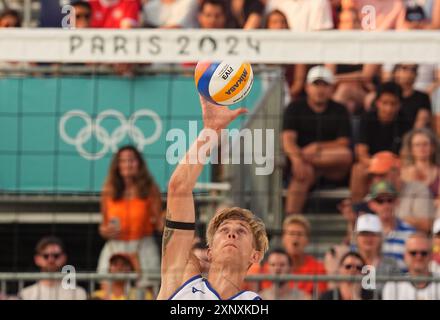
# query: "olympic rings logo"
108,140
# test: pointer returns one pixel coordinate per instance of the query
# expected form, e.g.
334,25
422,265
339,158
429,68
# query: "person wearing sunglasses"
418,255
351,264
50,257
384,201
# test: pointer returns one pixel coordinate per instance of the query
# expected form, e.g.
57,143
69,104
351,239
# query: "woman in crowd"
131,213
420,170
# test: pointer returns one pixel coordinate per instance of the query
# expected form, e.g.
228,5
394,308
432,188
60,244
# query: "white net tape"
258,46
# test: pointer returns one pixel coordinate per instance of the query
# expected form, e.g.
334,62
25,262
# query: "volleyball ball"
224,83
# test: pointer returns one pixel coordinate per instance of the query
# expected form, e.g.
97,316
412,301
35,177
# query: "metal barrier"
93,278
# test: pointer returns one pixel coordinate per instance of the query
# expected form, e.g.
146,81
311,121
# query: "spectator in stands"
436,15
415,18
353,81
212,14
170,13
370,241
119,289
428,75
131,212
276,20
373,241
417,257
279,264
383,202
304,15
116,14
414,205
380,130
83,14
435,264
387,15
314,153
296,234
248,14
421,169
426,5
10,19
416,105
351,264
50,257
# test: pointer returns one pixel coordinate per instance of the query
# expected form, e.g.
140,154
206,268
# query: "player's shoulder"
188,286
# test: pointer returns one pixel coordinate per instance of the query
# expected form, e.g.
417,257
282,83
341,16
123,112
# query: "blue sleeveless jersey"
198,288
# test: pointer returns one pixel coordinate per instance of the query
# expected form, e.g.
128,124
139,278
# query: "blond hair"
257,226
297,219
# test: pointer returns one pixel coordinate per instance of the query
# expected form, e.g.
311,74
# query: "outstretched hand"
218,117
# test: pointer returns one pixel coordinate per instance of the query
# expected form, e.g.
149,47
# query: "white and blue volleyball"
224,83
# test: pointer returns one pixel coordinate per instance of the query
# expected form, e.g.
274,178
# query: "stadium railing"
93,279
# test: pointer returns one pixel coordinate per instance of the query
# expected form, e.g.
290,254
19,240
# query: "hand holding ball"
223,83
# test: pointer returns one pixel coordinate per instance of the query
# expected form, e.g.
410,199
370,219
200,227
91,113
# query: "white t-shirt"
38,291
181,13
304,15
434,267
407,291
198,288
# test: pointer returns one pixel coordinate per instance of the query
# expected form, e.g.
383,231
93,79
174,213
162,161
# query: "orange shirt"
134,217
310,266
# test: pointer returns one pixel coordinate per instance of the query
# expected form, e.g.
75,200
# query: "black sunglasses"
423,253
46,256
353,266
84,15
408,68
385,200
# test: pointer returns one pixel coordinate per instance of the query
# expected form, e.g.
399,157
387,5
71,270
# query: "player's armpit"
176,249
192,268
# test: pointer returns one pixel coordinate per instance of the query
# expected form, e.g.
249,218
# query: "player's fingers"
239,111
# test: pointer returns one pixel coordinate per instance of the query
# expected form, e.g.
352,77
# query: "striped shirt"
394,243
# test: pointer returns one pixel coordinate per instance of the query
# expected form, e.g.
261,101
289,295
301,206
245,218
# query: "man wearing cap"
383,201
316,137
369,238
380,130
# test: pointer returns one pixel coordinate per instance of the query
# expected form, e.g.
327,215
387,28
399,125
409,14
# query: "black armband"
180,225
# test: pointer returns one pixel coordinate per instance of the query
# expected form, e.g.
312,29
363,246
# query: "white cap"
369,223
436,226
320,73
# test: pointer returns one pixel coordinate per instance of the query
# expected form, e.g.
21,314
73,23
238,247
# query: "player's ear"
256,257
209,254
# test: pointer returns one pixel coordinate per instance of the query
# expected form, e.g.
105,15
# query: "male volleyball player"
236,238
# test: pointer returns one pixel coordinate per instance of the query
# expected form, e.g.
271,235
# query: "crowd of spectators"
389,160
